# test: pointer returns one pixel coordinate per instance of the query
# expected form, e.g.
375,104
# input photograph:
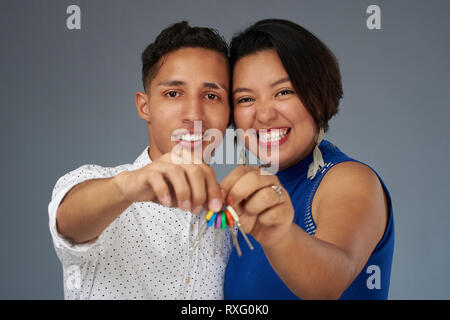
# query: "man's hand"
184,185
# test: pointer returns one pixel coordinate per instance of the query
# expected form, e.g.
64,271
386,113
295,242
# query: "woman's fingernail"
215,205
186,205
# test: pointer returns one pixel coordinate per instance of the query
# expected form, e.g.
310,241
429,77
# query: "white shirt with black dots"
143,254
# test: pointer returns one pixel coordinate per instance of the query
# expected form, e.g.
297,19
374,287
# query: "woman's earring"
317,158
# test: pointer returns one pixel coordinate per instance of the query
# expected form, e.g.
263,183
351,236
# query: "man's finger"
196,179
159,187
180,185
214,193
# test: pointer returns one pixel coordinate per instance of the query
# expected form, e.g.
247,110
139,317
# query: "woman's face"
264,100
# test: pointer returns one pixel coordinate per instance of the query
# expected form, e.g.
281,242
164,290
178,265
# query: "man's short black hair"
177,36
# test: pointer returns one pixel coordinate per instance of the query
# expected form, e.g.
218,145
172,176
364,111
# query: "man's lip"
181,131
177,133
191,143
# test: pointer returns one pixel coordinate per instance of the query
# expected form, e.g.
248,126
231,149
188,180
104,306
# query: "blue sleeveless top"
251,276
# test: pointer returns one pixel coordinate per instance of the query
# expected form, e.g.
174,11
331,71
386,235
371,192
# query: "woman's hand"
263,213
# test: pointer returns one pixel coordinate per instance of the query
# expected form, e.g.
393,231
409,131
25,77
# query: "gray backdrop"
67,99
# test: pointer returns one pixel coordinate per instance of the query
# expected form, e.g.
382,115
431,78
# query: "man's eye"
212,96
172,94
244,100
284,92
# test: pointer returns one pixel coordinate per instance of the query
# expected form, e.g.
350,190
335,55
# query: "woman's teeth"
273,135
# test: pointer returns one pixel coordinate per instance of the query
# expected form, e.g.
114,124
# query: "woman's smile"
269,137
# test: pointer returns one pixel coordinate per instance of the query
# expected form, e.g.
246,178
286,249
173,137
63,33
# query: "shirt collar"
143,159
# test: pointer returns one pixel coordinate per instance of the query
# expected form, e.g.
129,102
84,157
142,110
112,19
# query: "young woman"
322,226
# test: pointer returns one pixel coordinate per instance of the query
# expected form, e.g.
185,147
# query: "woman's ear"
142,106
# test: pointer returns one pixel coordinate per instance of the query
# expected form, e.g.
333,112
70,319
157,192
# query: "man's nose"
193,110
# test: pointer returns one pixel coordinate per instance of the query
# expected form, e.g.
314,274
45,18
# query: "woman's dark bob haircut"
312,68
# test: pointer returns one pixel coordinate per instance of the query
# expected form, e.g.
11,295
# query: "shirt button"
188,279
192,227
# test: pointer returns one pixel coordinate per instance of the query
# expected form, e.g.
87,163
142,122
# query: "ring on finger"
279,190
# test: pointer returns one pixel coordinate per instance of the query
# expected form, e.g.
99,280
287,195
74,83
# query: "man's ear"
142,105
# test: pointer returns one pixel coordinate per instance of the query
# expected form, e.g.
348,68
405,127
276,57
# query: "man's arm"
90,207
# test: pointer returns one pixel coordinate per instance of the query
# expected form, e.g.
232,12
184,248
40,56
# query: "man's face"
190,85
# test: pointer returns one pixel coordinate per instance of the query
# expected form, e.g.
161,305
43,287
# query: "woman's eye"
172,94
244,100
284,92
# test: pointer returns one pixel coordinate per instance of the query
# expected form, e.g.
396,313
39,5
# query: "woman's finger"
228,182
262,200
248,184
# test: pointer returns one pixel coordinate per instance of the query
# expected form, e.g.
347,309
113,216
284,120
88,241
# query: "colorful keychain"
220,221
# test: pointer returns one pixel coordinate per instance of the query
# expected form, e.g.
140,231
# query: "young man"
116,230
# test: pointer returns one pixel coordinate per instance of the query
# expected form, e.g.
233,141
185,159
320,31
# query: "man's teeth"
272,136
191,137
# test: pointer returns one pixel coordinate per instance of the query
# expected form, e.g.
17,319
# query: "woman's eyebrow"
282,80
237,90
273,84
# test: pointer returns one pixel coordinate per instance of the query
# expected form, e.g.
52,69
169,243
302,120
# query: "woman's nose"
266,113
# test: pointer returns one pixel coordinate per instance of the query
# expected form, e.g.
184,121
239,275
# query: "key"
230,223
209,222
236,220
207,217
224,227
216,232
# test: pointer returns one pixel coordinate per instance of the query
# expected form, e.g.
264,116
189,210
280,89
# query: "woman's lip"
272,128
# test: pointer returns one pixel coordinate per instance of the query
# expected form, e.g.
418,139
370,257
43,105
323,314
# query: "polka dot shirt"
143,254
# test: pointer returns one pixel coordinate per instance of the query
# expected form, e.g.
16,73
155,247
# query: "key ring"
279,190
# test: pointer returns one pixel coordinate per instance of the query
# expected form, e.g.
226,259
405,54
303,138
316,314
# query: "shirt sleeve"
67,250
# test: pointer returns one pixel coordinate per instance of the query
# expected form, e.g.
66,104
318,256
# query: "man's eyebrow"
177,83
282,80
170,83
213,85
